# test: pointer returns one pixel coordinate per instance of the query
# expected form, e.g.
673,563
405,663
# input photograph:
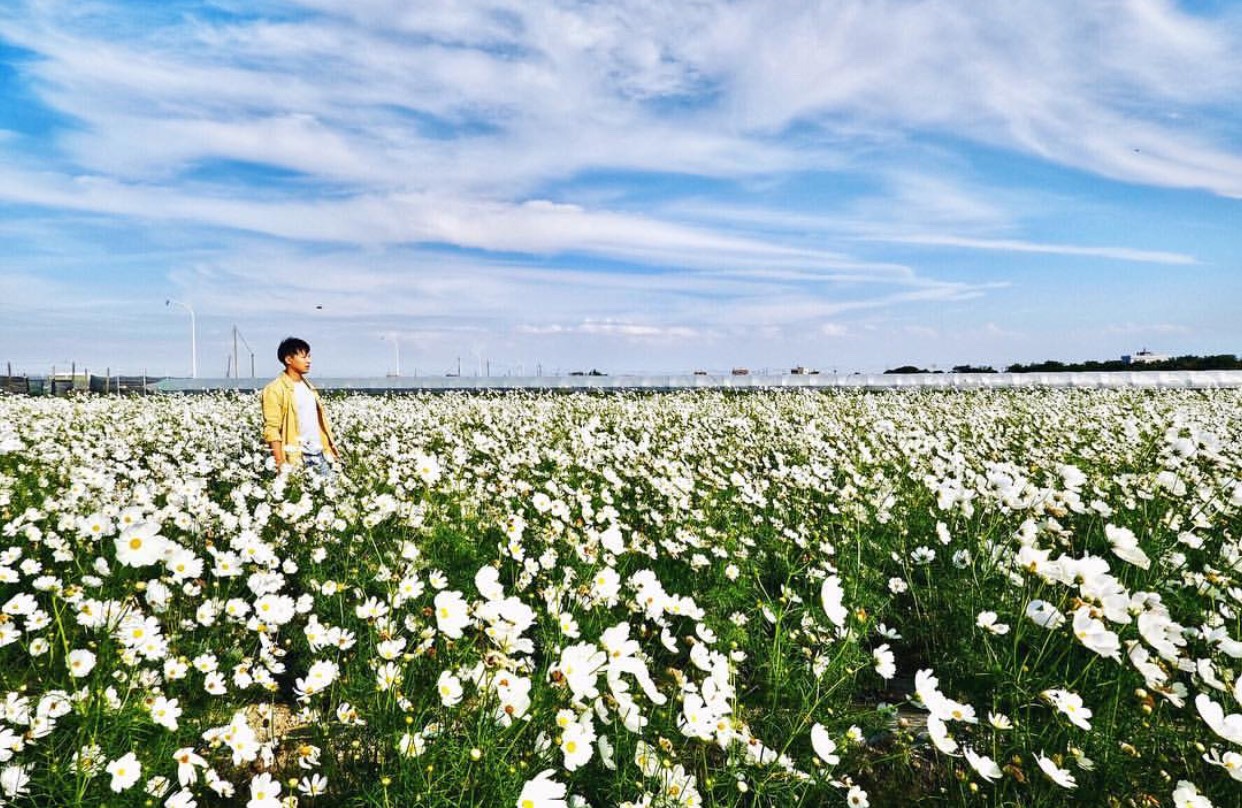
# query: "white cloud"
560,87
621,170
1147,329
613,328
1012,245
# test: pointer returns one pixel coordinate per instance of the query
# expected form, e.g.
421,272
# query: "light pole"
396,347
193,336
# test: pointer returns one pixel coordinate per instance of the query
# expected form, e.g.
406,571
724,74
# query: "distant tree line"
1215,362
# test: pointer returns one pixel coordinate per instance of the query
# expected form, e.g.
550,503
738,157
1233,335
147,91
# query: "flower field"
988,598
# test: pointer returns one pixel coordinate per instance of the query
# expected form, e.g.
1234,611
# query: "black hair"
291,346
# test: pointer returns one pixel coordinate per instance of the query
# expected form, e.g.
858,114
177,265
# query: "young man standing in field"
294,423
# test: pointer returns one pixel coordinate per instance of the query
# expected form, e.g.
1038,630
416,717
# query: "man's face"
299,362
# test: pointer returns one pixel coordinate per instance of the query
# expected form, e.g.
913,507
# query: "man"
294,423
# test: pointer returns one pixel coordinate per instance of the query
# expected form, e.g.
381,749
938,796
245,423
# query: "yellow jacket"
280,418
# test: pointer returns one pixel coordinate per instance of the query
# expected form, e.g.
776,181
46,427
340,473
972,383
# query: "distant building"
1143,357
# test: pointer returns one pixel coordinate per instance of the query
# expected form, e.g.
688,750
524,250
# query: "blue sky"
629,186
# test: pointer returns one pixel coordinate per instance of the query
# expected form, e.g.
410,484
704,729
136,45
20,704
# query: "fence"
63,384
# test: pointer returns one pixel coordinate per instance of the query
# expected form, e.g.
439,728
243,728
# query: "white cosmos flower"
165,712
387,676
15,781
1071,705
264,792
542,792
580,665
80,662
987,622
1228,727
939,734
824,745
1125,546
449,688
984,765
140,545
885,662
577,743
1044,614
1229,761
831,595
319,677
188,763
857,798
487,581
1055,773
125,771
1186,795
1096,636
452,613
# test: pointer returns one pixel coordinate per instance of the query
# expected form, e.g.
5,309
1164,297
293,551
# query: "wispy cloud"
1010,245
617,171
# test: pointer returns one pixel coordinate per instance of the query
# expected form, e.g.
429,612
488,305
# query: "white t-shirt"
308,418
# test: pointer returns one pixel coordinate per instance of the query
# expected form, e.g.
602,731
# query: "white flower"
984,765
140,545
831,595
450,689
987,622
125,771
1228,727
939,734
1055,773
1043,613
577,742
542,792
181,799
80,662
452,613
1186,795
885,662
264,792
313,785
823,745
14,781
1070,704
387,676
487,581
1125,546
1230,762
188,762
165,712
580,665
1092,633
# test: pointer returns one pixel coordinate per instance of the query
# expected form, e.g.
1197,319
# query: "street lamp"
193,336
